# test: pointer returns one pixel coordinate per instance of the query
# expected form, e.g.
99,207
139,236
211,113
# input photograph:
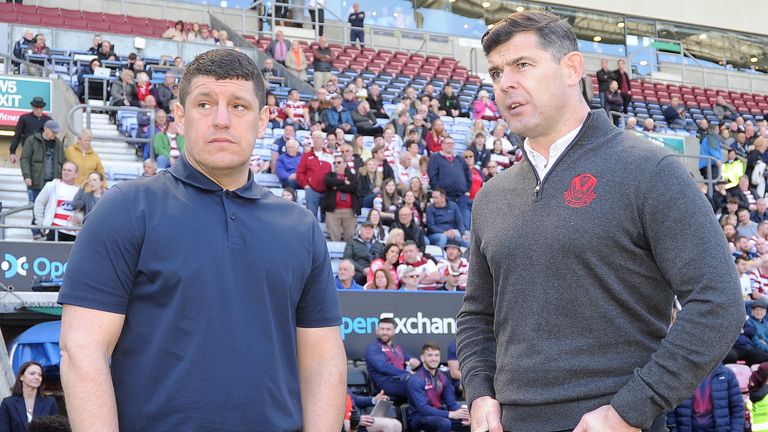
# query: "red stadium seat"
93,16
70,13
47,12
121,28
99,26
76,23
29,19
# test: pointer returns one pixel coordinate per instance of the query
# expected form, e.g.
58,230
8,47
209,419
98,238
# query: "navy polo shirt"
212,284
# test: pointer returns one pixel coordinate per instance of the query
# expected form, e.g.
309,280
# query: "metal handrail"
55,228
708,180
9,212
89,110
30,67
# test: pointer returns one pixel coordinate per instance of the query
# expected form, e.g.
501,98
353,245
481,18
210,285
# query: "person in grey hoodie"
580,231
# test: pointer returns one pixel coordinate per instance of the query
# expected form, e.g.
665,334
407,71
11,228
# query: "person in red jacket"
313,165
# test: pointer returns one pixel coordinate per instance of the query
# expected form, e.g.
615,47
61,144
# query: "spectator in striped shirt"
746,226
296,111
759,279
429,277
453,269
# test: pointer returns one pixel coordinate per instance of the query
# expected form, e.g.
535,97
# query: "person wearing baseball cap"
42,160
28,124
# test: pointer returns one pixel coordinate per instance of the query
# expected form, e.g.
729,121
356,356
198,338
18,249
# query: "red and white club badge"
582,191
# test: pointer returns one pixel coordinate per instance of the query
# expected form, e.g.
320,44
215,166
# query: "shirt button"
232,216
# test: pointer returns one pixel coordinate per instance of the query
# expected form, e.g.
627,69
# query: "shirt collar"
555,150
185,172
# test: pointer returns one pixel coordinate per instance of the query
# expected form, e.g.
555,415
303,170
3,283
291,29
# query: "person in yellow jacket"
83,155
758,389
732,169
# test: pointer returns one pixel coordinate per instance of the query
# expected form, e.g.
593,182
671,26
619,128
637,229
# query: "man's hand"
450,234
28,182
414,362
486,415
292,176
366,420
380,396
604,418
459,414
12,159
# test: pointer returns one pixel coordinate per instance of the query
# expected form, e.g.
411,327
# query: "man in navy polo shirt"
214,299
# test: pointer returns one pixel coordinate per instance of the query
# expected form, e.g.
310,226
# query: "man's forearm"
90,395
323,377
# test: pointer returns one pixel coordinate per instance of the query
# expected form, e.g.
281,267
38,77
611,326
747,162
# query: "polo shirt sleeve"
319,305
103,263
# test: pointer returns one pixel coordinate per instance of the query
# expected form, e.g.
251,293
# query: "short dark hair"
554,33
738,238
410,243
18,387
740,259
387,320
49,424
223,64
441,191
743,209
430,346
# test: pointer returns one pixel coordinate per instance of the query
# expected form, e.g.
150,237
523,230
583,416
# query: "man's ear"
573,67
178,117
263,122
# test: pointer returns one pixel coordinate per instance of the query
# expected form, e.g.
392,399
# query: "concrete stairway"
13,194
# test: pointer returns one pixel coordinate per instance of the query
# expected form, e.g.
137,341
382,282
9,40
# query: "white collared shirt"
539,162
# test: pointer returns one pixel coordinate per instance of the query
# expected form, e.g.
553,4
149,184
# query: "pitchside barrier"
419,316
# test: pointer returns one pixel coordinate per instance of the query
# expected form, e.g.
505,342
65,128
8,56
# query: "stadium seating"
83,20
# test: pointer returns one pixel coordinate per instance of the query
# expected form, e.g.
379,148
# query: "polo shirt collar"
185,172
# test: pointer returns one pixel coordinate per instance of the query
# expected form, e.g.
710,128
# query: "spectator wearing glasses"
340,201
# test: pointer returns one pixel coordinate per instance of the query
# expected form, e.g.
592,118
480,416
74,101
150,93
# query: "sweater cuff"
634,403
477,386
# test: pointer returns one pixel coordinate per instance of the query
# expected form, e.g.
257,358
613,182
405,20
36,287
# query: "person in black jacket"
625,85
28,125
26,401
411,229
340,201
604,78
449,103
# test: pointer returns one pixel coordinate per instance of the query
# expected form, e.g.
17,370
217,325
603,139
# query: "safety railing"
4,215
708,180
376,37
89,109
31,69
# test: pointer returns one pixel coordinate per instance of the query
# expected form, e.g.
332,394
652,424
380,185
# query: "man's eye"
495,75
204,105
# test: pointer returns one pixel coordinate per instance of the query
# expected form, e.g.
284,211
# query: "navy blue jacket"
418,402
727,405
453,176
13,412
744,341
379,366
441,219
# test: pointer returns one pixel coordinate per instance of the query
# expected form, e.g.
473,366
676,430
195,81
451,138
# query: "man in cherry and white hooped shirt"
296,110
53,206
453,269
429,276
393,144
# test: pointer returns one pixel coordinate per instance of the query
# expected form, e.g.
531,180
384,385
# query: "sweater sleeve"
377,361
42,201
694,259
475,338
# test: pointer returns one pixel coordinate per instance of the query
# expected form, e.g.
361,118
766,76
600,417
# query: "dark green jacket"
163,144
357,252
33,159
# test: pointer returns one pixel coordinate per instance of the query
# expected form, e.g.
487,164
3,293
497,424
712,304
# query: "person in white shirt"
404,171
53,206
